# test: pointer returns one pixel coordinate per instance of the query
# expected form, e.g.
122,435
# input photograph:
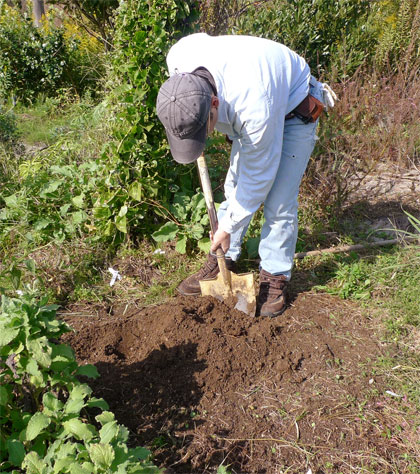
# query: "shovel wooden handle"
211,210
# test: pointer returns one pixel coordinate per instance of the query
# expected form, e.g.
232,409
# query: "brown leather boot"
272,294
191,286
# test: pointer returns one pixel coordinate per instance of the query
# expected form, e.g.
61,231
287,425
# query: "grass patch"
388,286
48,119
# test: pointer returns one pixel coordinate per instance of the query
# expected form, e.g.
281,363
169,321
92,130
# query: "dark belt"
308,110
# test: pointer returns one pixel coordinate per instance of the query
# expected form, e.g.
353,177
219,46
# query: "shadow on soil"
153,396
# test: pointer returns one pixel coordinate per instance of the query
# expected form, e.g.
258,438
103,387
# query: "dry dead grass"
374,123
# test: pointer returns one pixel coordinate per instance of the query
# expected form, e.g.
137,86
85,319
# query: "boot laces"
271,287
208,267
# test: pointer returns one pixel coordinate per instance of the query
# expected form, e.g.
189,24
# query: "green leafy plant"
139,173
51,202
188,218
352,280
39,60
330,34
8,128
44,414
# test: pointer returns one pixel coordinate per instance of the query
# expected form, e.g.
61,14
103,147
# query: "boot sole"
274,315
186,293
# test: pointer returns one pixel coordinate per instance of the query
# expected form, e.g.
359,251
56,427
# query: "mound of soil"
201,384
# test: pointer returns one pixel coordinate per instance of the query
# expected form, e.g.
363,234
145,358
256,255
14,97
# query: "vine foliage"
140,177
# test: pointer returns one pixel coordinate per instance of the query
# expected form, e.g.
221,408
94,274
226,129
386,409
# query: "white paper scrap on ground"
159,252
393,394
115,276
309,472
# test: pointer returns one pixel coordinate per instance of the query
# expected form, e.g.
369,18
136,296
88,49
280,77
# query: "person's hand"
220,239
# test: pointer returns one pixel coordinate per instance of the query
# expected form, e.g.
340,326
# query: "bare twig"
349,248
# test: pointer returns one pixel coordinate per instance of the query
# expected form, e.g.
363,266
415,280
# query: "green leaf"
30,265
121,224
102,455
7,335
109,226
78,217
79,392
181,244
123,211
105,417
32,368
4,396
15,276
51,187
199,207
40,351
63,464
204,244
86,468
140,453
33,464
101,212
63,170
135,191
42,224
123,433
108,432
252,246
74,406
222,470
179,212
36,425
79,429
98,403
167,232
51,403
64,209
88,370
62,351
16,451
11,201
197,231
78,201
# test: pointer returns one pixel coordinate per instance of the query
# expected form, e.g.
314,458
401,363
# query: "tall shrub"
32,60
140,177
332,35
42,60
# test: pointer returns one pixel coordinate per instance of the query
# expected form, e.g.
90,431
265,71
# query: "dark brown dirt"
201,384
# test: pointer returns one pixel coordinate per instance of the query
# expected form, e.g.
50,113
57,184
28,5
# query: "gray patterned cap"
183,106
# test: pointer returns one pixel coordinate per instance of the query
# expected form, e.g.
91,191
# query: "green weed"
44,417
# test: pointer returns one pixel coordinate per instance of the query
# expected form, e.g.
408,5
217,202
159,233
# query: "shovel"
227,285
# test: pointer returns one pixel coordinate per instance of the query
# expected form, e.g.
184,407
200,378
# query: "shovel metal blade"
242,292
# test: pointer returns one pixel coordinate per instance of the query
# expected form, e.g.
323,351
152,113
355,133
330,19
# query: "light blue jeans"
280,229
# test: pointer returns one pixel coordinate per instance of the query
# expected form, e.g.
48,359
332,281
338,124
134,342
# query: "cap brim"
187,150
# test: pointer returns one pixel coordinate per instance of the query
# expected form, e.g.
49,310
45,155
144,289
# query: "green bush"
8,128
141,179
332,35
31,60
44,415
41,60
